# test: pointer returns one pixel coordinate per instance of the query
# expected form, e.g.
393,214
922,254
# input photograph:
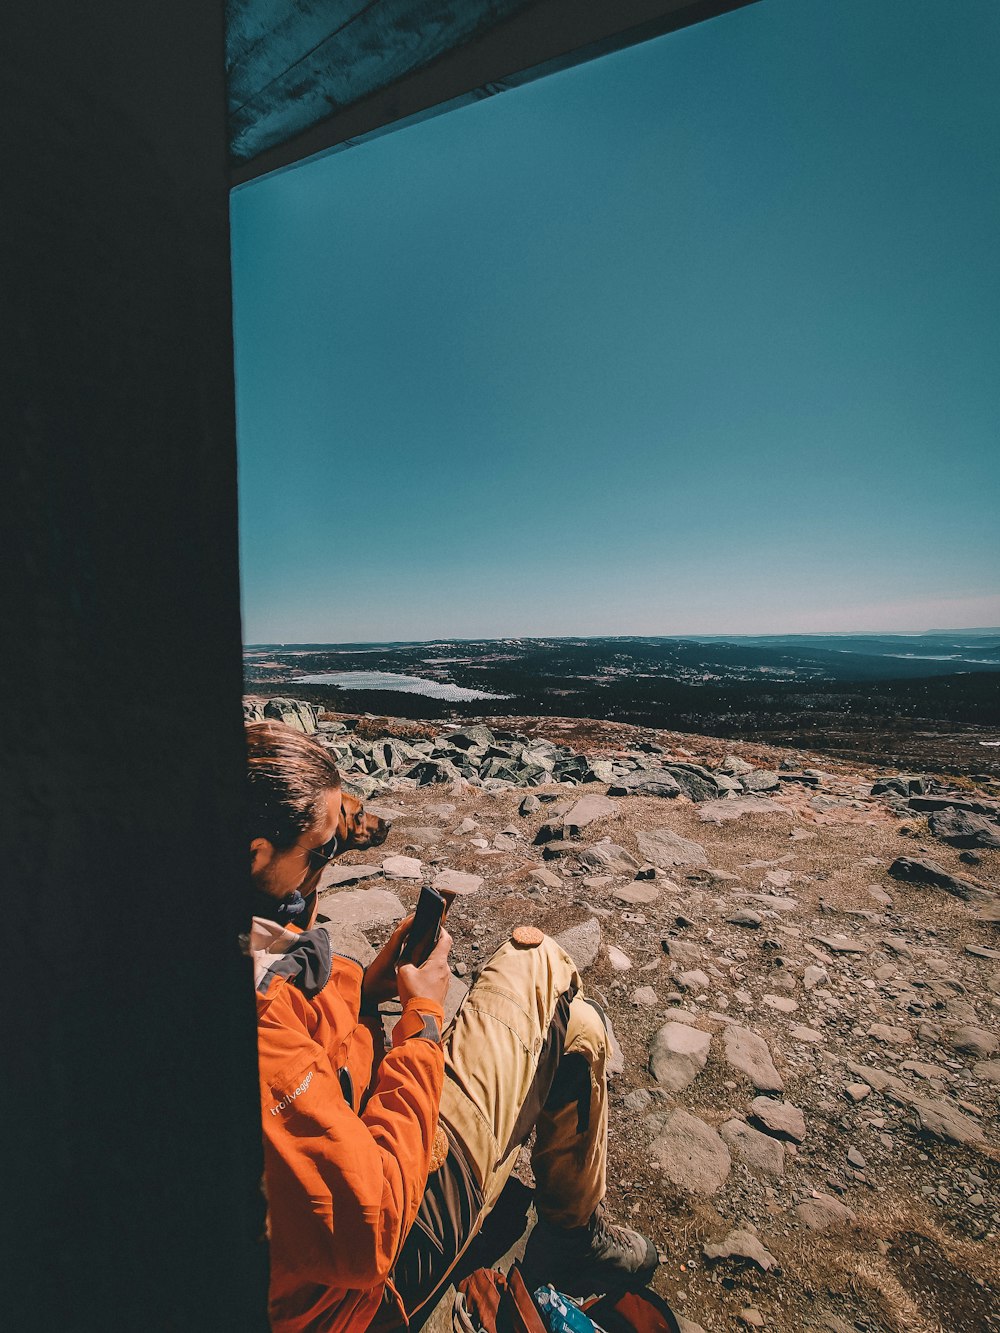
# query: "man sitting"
380,1166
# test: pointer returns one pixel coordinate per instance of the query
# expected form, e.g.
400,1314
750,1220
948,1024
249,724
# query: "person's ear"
261,855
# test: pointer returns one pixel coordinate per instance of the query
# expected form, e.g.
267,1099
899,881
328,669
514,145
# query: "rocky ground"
801,961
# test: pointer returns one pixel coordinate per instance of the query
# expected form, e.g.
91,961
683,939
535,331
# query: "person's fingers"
402,928
443,945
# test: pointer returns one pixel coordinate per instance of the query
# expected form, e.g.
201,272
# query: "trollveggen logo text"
285,1101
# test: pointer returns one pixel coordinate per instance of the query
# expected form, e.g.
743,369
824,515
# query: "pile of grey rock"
496,760
953,816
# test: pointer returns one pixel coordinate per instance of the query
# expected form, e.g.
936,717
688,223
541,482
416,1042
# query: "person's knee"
587,1032
542,967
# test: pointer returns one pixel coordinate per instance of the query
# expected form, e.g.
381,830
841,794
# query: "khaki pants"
525,1051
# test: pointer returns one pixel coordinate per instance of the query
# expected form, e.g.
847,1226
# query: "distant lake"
391,680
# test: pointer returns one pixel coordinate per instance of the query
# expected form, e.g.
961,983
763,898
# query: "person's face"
279,871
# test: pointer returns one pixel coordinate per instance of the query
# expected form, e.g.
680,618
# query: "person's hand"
430,980
380,975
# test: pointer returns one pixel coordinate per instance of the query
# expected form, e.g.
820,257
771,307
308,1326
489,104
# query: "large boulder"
294,713
691,1153
913,871
962,828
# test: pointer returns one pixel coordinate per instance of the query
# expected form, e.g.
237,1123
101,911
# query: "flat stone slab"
748,1053
637,893
420,836
781,1119
335,875
666,849
842,944
403,867
891,1036
348,940
691,1153
677,1054
719,812
457,882
822,1212
587,811
582,942
361,907
764,1155
973,1041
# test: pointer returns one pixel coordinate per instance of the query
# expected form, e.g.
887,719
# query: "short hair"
288,775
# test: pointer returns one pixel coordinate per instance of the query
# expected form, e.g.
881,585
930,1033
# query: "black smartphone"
423,934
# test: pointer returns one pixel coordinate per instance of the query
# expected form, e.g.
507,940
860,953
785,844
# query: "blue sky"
700,337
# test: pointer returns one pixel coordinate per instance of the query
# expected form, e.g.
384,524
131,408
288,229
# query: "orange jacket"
344,1171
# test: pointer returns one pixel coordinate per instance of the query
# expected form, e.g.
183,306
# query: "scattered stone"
778,879
745,916
858,1091
677,1054
856,1158
620,962
609,856
822,1212
645,995
457,882
784,1004
582,943
741,1245
879,894
748,1053
987,1069
752,1317
781,1119
762,1153
815,976
691,1154
666,849
530,805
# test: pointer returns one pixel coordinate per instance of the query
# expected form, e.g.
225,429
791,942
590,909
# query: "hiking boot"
597,1257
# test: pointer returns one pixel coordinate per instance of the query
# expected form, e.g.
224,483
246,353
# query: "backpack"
490,1301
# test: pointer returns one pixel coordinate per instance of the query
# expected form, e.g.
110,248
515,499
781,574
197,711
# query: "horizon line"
485,638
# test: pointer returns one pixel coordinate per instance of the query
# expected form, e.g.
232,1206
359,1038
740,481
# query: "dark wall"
131,1187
